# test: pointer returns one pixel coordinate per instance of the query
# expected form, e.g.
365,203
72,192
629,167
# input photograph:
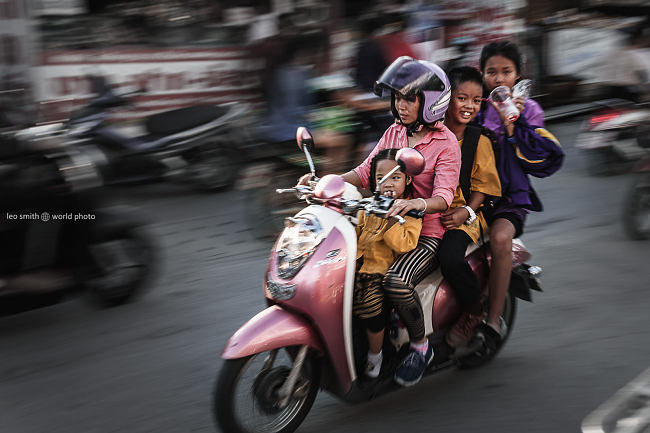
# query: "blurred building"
213,51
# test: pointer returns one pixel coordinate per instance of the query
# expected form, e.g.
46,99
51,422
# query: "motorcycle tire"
262,393
478,360
212,168
636,210
603,162
124,262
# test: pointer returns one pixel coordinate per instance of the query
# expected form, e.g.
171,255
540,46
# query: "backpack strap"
468,153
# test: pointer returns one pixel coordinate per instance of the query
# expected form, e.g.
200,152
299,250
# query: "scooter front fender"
271,329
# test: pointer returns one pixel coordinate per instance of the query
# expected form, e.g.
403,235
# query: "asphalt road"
149,366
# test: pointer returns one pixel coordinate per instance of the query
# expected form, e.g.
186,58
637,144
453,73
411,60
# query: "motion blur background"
149,366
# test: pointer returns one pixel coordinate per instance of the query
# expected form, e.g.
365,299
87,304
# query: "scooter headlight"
298,241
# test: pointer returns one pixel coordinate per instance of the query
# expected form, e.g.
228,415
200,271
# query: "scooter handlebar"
415,213
350,207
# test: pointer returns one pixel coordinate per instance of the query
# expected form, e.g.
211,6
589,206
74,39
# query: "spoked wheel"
254,394
480,358
123,263
636,213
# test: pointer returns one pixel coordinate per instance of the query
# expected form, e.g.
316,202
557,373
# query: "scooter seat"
171,122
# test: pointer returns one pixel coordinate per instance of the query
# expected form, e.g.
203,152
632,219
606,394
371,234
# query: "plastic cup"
522,89
501,95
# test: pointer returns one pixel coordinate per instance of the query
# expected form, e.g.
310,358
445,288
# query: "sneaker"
464,329
412,368
490,337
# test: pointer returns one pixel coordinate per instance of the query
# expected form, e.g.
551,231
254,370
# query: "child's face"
465,102
499,71
407,107
396,183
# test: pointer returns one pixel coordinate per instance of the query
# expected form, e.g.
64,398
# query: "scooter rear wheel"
478,360
636,212
246,396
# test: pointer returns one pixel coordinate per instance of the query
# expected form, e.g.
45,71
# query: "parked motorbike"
307,339
636,206
279,164
191,144
615,136
57,238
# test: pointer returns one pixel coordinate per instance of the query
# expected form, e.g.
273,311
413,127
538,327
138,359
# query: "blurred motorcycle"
361,116
615,136
192,144
636,206
56,236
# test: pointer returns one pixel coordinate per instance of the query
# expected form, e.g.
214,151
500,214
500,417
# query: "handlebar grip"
415,213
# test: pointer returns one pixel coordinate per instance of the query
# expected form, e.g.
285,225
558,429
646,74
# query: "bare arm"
353,178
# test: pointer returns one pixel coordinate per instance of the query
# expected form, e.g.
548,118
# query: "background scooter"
307,339
636,206
57,235
273,165
192,144
616,136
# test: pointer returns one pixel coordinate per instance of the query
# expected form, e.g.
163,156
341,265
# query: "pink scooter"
308,339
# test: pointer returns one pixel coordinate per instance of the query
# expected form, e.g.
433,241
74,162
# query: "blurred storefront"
15,62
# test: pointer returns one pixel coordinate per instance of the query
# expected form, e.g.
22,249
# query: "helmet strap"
413,127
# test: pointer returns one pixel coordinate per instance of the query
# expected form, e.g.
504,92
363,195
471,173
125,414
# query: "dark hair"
505,49
388,154
464,74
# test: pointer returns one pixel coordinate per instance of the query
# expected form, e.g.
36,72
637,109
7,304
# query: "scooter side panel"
271,329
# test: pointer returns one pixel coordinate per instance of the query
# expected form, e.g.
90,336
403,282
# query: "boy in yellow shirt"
463,221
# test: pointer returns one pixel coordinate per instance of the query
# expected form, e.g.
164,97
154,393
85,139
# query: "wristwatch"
472,215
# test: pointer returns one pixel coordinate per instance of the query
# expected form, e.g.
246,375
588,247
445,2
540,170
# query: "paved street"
150,366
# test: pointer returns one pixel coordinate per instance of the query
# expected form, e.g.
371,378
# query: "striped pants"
399,284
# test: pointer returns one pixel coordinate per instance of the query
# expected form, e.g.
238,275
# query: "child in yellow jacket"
380,242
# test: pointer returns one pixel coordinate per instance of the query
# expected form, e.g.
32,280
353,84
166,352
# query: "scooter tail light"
603,117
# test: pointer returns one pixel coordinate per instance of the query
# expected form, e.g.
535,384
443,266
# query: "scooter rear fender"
271,329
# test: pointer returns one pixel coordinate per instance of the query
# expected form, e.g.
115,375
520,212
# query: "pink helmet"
408,76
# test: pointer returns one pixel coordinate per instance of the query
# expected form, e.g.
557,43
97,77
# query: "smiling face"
407,107
465,102
396,184
499,71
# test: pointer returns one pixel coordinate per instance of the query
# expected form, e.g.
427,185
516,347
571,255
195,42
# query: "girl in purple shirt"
525,148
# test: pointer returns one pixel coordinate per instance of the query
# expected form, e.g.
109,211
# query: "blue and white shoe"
412,367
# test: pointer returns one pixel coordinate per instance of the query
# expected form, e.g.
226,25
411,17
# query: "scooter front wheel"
252,394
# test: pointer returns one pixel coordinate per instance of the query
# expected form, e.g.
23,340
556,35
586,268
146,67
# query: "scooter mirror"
329,187
410,161
304,139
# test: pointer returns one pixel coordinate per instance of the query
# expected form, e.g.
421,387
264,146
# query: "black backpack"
468,154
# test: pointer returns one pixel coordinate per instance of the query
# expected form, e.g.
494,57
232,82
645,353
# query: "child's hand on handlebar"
401,207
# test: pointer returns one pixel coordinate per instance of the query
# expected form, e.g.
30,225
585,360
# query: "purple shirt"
531,150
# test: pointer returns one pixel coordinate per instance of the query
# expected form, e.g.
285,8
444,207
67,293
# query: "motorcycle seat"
171,122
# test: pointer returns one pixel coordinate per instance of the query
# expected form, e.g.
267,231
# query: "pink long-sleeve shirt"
440,176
